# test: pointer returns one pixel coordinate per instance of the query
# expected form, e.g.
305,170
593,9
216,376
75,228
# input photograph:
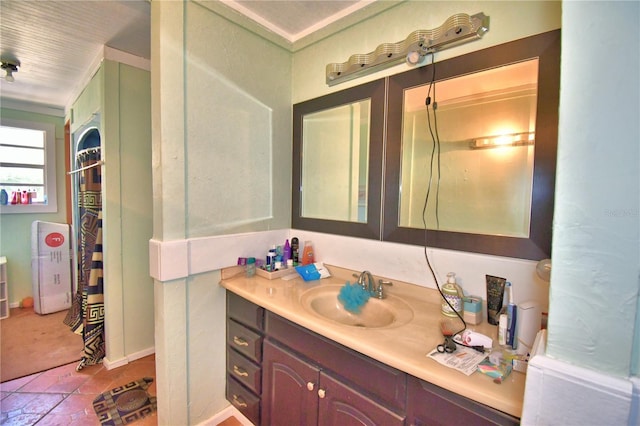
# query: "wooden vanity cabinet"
309,380
279,373
429,404
245,333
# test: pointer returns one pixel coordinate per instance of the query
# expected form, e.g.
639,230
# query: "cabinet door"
342,405
430,405
290,387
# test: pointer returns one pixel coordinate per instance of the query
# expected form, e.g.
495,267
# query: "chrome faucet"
366,281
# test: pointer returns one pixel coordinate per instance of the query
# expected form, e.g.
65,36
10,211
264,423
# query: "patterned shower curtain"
86,316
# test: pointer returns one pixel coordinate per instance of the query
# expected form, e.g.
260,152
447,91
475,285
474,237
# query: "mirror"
482,137
490,199
495,201
337,167
335,163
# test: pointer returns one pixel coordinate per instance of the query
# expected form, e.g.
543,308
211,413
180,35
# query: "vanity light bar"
457,29
515,139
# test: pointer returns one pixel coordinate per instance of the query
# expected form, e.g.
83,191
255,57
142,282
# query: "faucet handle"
380,289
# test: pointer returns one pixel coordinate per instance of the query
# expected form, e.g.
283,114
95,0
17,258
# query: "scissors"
447,346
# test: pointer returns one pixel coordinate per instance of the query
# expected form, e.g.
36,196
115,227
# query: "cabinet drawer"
245,371
245,312
244,340
245,401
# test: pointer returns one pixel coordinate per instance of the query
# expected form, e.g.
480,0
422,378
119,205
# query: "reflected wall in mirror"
476,149
337,162
479,186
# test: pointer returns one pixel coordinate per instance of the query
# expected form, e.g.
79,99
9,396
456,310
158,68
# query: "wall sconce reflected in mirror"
457,29
514,139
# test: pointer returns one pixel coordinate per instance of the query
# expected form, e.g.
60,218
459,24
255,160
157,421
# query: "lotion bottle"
453,293
307,254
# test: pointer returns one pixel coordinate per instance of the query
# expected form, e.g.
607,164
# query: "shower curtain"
86,316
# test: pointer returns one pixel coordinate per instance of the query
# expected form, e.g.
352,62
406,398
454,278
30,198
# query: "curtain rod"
96,164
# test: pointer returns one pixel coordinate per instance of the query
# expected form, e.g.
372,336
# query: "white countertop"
404,347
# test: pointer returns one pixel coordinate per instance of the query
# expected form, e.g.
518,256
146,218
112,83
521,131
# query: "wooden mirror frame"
371,229
546,47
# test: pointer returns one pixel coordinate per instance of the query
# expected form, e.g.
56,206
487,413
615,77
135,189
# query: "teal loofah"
353,297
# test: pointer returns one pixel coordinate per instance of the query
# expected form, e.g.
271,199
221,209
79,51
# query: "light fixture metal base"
457,29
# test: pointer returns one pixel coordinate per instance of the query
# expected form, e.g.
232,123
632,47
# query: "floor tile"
21,420
16,401
64,397
76,404
13,385
43,403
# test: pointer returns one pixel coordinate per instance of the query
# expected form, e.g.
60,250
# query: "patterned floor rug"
125,404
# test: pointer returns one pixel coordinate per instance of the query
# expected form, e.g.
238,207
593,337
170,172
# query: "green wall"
15,229
121,94
222,142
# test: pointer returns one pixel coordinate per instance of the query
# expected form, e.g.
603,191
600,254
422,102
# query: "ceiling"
59,42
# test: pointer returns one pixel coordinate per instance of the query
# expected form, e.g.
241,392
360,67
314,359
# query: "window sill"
28,208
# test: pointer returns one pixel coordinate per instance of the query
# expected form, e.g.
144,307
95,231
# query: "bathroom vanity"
287,364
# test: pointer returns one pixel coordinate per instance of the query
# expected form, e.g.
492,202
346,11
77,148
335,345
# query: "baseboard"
111,364
221,416
558,393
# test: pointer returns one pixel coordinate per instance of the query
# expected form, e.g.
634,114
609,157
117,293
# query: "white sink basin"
323,302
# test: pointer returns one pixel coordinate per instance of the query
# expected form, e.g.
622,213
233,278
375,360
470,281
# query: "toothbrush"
512,314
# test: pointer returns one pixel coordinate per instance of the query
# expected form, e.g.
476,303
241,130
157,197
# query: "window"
27,167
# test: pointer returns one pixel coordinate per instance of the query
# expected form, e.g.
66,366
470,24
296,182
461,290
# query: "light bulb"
413,57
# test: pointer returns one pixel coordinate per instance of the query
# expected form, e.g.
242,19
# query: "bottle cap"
251,260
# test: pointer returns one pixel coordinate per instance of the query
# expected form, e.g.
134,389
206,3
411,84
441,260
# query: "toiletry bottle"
251,267
295,251
512,313
271,259
286,252
4,197
453,293
307,253
502,330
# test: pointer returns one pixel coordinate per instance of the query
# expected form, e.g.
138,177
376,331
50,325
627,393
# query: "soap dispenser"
453,293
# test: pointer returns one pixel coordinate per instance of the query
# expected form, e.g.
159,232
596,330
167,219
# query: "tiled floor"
63,396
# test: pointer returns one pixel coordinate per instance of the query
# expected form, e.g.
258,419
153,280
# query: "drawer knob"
240,341
321,393
240,371
239,401
310,386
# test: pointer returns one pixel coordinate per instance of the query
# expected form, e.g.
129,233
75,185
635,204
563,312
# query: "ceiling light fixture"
457,29
9,66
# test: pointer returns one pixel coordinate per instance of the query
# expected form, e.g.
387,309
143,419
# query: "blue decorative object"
308,272
353,297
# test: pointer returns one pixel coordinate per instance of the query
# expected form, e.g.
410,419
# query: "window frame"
51,184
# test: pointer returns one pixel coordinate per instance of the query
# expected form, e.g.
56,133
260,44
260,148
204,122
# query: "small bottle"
251,267
295,254
307,253
4,197
286,252
453,293
502,330
271,260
